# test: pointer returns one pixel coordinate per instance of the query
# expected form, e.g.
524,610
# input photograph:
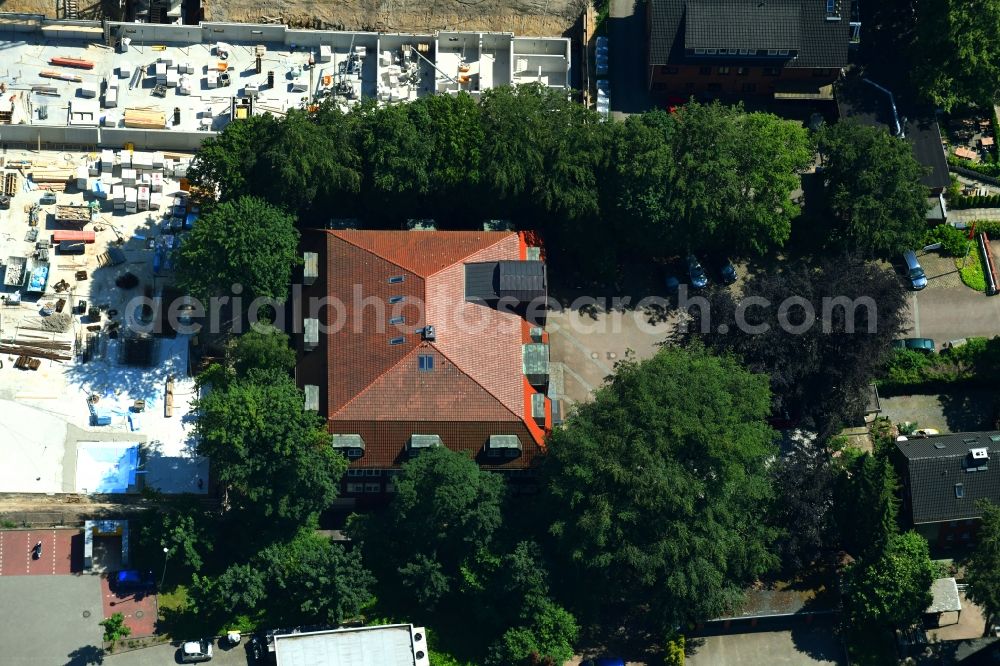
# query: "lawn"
972,273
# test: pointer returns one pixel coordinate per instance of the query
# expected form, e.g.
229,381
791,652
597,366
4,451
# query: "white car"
196,651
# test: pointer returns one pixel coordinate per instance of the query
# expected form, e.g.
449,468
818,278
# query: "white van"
916,275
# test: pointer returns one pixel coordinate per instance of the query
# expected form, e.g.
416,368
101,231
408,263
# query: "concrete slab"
947,314
813,646
958,411
50,620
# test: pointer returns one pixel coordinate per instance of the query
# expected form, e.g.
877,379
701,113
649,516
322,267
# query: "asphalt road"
626,57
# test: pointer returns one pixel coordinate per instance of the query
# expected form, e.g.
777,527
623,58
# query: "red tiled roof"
374,388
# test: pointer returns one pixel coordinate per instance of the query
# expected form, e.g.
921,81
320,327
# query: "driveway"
947,314
627,57
812,646
50,620
961,410
159,655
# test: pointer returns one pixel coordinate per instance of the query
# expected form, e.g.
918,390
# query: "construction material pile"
53,350
60,322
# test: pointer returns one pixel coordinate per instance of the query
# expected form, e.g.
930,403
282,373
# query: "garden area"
974,363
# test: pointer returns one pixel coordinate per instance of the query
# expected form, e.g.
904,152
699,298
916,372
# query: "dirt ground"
532,18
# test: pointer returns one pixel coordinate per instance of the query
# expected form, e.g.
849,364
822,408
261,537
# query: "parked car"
699,278
130,579
47,199
603,661
916,344
196,651
727,272
915,273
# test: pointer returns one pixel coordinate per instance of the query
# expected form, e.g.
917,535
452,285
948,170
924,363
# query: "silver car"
193,652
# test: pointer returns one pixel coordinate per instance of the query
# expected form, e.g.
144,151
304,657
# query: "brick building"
427,340
779,49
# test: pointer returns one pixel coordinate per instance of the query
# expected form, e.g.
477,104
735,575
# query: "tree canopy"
245,241
657,489
709,177
873,189
270,455
956,52
445,510
982,570
822,331
891,587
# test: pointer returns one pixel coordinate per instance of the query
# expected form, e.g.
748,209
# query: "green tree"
546,636
185,533
445,510
982,571
227,163
873,189
262,348
247,242
239,590
891,587
115,628
956,52
312,579
658,487
271,456
675,652
866,504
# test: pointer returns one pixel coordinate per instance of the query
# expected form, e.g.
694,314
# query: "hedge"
975,362
960,201
985,168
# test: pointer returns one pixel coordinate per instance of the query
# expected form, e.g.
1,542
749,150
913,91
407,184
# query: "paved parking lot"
50,620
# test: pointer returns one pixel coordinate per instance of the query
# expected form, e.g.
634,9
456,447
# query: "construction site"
95,383
168,87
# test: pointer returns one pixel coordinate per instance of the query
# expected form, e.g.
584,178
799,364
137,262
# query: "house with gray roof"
943,478
782,49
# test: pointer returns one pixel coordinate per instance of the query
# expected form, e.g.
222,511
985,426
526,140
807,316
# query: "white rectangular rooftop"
388,645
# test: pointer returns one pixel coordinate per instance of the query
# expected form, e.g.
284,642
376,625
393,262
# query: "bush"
978,360
115,628
953,241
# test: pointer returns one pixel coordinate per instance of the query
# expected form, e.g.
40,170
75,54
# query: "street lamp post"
166,554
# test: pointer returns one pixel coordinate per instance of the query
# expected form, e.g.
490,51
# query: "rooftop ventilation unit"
980,454
429,334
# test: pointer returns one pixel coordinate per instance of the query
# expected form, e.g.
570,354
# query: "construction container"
82,173
67,235
131,200
143,197
128,177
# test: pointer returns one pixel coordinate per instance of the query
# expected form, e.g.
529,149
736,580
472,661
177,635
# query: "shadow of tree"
969,410
88,654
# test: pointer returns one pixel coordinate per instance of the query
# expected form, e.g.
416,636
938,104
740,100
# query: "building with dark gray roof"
785,49
943,478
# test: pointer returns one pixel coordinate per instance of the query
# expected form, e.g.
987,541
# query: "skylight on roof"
396,279
395,299
959,491
397,341
397,321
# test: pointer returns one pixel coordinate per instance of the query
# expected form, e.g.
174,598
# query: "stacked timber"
51,174
145,119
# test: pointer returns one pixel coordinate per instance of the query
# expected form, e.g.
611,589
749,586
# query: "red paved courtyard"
62,552
139,608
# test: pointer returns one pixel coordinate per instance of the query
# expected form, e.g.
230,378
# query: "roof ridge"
502,238
477,382
373,381
336,233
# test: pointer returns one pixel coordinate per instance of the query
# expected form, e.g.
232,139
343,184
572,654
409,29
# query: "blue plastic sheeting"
38,277
106,467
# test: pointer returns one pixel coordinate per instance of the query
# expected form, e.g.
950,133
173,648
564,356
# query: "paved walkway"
139,609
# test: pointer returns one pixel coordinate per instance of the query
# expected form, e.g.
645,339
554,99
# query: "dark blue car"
603,661
130,579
